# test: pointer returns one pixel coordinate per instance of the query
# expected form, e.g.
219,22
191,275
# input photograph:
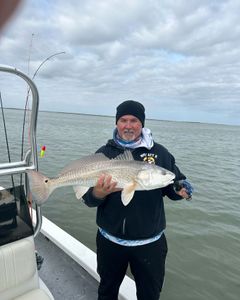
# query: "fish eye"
46,181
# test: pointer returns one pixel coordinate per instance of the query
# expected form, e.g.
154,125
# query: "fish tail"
40,186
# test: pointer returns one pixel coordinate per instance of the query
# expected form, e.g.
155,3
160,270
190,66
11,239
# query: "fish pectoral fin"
80,191
128,192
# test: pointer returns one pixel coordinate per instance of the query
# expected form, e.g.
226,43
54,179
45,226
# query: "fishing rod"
27,98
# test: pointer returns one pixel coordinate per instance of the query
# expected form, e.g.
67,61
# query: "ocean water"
203,261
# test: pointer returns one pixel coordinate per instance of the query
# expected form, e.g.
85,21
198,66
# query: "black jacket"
144,216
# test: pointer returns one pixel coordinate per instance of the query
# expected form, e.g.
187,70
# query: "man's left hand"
183,193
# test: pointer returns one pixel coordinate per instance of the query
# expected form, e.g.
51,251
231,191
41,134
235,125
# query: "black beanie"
133,108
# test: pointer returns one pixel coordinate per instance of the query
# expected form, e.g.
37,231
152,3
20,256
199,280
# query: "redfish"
130,175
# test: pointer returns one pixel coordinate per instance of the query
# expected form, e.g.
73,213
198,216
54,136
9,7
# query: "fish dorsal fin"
126,155
80,191
83,162
128,193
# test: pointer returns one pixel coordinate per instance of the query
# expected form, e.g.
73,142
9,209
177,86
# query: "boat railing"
30,160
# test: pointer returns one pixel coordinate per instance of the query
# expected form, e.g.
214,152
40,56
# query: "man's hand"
184,189
183,193
104,187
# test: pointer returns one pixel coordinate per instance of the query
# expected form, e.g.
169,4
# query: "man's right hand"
104,187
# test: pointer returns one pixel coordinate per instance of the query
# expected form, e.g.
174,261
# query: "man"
134,234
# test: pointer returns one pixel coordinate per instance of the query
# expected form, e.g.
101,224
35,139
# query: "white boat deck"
63,276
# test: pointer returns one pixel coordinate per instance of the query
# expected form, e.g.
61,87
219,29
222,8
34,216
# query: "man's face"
129,127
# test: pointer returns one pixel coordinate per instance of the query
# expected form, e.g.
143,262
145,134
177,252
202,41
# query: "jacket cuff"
90,200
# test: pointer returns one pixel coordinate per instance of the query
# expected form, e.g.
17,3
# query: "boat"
39,260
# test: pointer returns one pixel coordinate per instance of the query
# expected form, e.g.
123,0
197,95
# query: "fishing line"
27,97
6,138
26,108
29,53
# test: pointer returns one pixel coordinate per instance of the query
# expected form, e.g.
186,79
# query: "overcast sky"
181,59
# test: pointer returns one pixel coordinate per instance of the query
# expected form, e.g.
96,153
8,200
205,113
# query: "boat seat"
18,272
36,294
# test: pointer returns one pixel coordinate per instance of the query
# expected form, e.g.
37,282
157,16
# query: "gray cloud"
181,59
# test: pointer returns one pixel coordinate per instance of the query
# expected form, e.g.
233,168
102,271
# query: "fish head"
153,177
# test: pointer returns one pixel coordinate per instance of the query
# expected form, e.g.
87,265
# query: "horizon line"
109,116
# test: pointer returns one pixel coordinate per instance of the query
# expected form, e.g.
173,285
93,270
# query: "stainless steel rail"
30,160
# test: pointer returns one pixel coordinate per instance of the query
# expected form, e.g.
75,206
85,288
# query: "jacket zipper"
123,226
